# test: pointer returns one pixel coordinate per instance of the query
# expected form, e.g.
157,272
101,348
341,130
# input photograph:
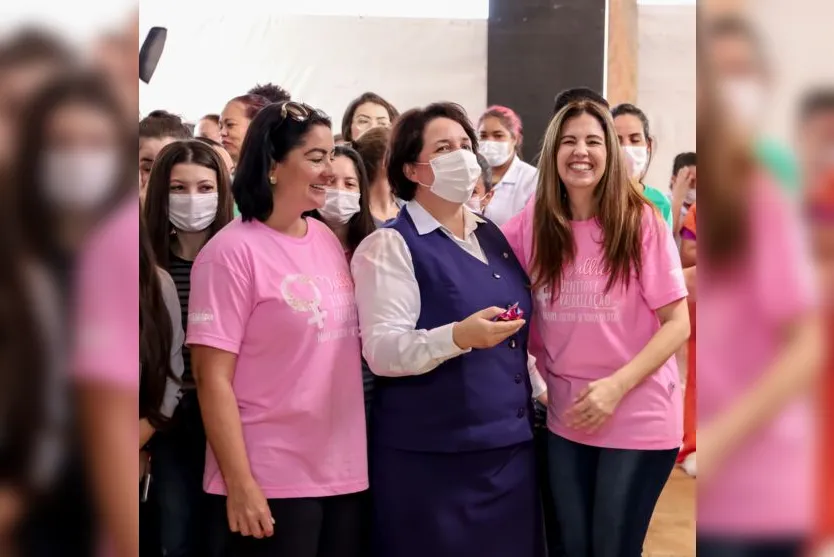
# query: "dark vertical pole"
537,48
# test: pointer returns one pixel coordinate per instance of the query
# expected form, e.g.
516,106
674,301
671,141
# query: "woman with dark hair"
373,147
274,341
188,201
452,459
632,126
365,112
345,208
513,180
235,119
610,308
161,340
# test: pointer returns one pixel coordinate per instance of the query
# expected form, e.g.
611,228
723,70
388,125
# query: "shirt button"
520,413
513,343
518,378
496,275
506,255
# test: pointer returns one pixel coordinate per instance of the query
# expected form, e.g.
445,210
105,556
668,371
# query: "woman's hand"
595,404
480,331
248,511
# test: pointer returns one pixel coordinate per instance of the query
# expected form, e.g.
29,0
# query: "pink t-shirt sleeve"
219,305
107,303
661,279
781,258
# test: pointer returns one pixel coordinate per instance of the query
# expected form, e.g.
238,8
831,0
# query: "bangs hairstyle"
407,142
156,209
347,120
618,208
361,224
270,138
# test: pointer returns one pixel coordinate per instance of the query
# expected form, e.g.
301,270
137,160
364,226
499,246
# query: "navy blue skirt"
453,504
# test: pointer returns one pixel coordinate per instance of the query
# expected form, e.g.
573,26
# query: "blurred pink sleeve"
107,302
519,233
661,278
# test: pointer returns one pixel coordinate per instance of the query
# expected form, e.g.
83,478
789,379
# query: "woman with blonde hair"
610,307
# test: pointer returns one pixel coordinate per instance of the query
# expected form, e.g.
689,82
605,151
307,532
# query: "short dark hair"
486,173
372,147
161,123
212,117
362,223
407,142
816,101
682,160
369,97
275,93
574,94
628,109
252,104
155,207
269,139
733,26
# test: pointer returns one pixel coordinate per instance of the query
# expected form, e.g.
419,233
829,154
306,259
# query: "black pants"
178,461
308,527
551,525
709,546
604,498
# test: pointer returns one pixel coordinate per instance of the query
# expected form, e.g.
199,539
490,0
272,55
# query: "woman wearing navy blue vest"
451,459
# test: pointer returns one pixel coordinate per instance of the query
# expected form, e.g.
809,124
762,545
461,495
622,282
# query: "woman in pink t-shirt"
274,339
610,306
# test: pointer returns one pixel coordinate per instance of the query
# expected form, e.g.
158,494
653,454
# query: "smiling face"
301,179
233,126
581,154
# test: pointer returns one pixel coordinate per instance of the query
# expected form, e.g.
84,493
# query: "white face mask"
80,180
455,175
745,100
339,206
474,203
690,197
637,158
496,153
192,212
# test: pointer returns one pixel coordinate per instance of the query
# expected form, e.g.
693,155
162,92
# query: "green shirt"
661,202
781,164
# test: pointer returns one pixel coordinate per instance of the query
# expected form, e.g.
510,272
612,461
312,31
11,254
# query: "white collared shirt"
388,300
513,192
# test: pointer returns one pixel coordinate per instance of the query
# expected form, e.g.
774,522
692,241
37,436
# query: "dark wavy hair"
156,200
156,334
407,142
269,139
361,224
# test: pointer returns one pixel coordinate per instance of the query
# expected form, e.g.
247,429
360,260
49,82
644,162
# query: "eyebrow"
146,159
316,150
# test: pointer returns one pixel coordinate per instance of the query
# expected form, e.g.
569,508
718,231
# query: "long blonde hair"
618,208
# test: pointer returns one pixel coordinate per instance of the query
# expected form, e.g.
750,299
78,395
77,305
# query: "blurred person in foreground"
27,60
743,78
816,137
760,341
106,354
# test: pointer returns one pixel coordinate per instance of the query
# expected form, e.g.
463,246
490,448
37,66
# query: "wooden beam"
622,52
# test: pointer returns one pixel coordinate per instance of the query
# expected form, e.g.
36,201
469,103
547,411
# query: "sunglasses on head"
298,111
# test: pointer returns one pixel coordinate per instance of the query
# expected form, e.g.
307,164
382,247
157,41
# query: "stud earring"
272,180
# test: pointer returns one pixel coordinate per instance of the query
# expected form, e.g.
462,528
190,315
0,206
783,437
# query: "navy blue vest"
479,400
